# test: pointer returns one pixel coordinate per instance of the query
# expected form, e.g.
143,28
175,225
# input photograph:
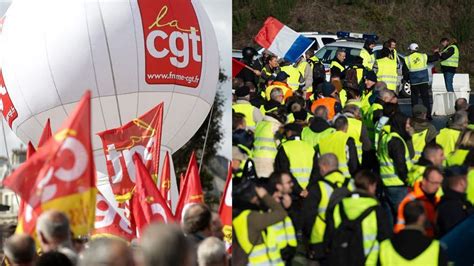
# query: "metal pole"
205,140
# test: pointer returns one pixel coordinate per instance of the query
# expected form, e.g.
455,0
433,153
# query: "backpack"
319,73
345,245
350,81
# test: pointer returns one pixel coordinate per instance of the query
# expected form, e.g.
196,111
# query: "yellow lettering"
173,23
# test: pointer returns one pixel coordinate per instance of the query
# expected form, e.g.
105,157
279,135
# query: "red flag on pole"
147,204
61,175
225,211
181,182
30,150
46,134
191,191
165,180
237,66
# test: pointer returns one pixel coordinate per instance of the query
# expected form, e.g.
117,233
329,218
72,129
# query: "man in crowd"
107,251
425,132
20,250
211,252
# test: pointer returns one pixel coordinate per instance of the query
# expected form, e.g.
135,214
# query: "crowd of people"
197,241
332,171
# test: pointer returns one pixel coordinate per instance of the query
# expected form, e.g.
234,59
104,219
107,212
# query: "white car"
353,47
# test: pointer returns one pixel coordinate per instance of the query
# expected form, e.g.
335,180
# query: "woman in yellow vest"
449,61
387,69
463,147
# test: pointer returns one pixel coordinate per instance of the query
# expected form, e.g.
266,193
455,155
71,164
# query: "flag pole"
205,140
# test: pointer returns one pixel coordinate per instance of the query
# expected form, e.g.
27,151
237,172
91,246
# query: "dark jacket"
448,53
336,72
452,209
422,124
409,243
396,151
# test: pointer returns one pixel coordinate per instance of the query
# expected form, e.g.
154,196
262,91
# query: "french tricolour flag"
281,40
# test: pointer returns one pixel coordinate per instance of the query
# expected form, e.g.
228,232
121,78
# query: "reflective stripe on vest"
369,121
368,59
247,110
337,64
419,142
417,64
313,138
355,130
300,155
282,233
387,72
336,143
389,256
447,138
453,60
264,144
387,168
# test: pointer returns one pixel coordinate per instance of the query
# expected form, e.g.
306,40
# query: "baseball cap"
413,47
281,76
419,109
371,76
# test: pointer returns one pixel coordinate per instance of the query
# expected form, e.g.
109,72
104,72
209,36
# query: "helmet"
248,52
413,47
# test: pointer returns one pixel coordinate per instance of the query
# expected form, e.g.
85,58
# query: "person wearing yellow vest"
317,68
279,82
295,79
337,65
367,54
464,145
317,202
243,106
449,136
395,153
328,98
298,158
275,102
319,128
357,130
469,162
280,184
343,146
449,61
425,132
306,72
366,95
269,71
415,69
391,45
250,223
265,146
411,246
386,69
375,226
432,155
375,111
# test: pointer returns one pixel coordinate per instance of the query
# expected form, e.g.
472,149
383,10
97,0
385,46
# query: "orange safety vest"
329,102
287,92
430,209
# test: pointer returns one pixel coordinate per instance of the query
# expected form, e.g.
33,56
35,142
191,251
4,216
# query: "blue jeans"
395,195
448,81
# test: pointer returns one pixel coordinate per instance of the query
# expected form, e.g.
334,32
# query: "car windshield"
328,53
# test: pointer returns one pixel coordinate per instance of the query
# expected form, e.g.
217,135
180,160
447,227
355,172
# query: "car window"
327,40
328,53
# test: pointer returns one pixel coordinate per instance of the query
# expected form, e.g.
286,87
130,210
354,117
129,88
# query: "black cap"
371,76
242,91
419,109
282,76
456,170
326,88
294,127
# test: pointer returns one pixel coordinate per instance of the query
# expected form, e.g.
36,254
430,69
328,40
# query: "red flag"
30,150
191,189
225,211
237,66
165,180
142,135
147,203
61,175
181,182
46,134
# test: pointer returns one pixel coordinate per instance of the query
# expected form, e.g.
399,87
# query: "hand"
304,193
286,201
261,192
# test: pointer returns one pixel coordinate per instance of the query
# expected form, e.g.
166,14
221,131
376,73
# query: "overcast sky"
220,13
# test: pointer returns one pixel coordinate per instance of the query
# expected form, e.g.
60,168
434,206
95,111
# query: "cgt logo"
6,104
173,44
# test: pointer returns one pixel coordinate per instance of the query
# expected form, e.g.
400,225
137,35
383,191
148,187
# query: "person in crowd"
464,145
424,191
306,72
163,245
367,54
20,250
357,129
216,226
432,155
197,223
411,245
107,251
54,234
454,206
270,70
248,58
469,163
280,81
449,61
375,111
366,95
449,136
254,210
295,79
343,146
241,136
425,132
318,128
212,252
461,104
386,68
338,69
252,114
328,98
53,257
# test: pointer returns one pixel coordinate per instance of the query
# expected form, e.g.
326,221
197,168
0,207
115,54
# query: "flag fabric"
237,66
165,180
191,191
142,135
30,150
147,204
181,182
46,134
282,40
225,211
61,175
